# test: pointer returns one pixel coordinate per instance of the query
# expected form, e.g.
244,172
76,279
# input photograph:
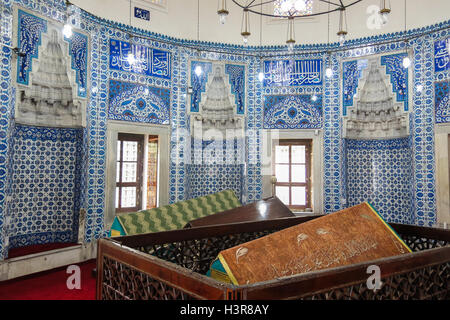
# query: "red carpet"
50,285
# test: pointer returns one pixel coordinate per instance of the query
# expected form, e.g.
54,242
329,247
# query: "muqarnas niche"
217,131
375,112
217,109
51,82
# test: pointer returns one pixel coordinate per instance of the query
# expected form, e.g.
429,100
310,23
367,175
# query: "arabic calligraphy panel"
442,55
148,61
292,72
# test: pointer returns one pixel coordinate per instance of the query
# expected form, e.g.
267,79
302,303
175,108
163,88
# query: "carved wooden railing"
172,265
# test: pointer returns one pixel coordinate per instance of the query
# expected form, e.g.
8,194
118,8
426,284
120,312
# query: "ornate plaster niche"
375,113
50,99
217,108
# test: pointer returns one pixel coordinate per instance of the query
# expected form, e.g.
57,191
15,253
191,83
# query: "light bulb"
286,6
341,38
406,62
67,31
314,98
198,71
328,72
290,46
146,91
384,17
384,13
222,16
261,76
245,40
300,5
131,58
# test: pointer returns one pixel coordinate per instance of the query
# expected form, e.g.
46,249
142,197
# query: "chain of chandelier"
294,9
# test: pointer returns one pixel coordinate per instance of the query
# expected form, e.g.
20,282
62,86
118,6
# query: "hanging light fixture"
67,29
342,33
406,60
328,70
131,59
291,34
300,5
198,70
385,9
245,27
222,11
286,9
261,75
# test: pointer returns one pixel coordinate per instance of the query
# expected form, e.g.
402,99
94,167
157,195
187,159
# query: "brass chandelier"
291,10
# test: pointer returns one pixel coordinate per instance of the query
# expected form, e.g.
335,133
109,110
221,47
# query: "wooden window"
130,161
152,172
291,163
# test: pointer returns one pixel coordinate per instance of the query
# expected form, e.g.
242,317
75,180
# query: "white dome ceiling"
180,19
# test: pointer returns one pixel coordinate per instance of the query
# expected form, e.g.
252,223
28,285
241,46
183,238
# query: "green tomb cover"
173,216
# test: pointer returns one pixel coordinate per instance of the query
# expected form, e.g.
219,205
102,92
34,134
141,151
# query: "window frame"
308,168
147,180
139,138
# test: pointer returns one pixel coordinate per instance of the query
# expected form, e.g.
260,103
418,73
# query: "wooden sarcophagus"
265,209
175,264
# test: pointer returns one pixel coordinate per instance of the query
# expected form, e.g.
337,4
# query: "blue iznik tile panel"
333,191
442,103
95,149
442,80
30,29
148,61
138,103
46,169
198,82
293,72
380,172
442,55
398,75
236,75
293,112
351,74
423,121
79,52
212,178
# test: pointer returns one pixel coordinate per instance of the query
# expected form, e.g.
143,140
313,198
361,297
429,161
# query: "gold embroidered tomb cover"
349,236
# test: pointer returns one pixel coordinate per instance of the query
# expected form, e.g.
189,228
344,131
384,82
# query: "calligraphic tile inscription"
349,236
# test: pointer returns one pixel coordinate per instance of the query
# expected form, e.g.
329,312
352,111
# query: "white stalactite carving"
376,113
50,99
217,110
